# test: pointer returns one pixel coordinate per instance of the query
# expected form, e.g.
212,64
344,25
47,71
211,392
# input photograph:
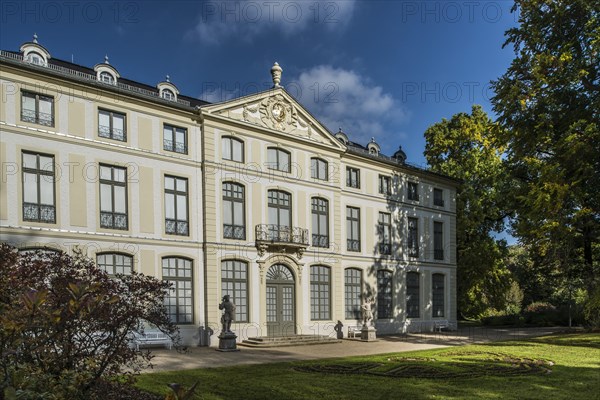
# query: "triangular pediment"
277,110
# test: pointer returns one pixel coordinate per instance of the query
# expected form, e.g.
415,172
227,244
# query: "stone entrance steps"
282,341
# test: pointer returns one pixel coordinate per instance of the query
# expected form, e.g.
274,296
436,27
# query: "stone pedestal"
368,334
227,342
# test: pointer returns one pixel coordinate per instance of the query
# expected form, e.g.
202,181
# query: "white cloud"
344,98
245,19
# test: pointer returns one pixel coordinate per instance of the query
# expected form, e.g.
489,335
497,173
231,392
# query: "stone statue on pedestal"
228,313
367,308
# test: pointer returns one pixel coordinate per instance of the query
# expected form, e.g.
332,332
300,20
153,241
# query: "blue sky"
383,69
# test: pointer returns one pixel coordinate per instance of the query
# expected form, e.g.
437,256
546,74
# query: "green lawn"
551,367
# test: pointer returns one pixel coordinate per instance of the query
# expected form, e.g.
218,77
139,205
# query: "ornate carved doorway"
281,307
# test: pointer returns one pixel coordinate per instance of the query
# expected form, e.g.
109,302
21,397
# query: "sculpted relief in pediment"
277,113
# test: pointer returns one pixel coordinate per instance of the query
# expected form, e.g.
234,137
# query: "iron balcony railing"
282,234
234,231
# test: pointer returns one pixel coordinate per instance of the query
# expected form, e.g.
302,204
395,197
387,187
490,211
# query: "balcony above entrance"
278,238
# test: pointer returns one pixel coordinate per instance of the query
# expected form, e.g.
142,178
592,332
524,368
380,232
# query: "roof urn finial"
276,74
35,36
106,59
372,140
168,78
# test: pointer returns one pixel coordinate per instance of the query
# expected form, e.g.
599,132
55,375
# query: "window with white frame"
385,185
413,237
234,221
112,125
38,188
107,77
115,263
232,149
437,294
234,282
384,227
278,159
320,222
438,240
438,197
179,303
37,108
353,177
168,94
413,291
353,293
384,294
319,169
353,228
113,197
413,191
175,139
320,293
176,206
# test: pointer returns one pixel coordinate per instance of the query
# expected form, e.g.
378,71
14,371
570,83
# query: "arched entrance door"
281,310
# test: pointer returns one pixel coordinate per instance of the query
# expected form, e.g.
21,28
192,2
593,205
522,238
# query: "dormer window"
168,94
107,77
35,58
373,147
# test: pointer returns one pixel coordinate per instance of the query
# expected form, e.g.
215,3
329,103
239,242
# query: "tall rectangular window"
176,206
352,293
438,197
38,188
437,294
37,108
112,125
384,294
385,185
280,216
320,222
413,237
278,159
234,223
179,303
413,295
438,240
113,197
234,282
175,139
232,149
353,228
413,191
115,263
320,304
319,169
353,177
384,228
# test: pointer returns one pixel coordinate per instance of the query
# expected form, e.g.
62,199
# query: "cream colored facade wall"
78,150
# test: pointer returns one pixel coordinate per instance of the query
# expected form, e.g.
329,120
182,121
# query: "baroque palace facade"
251,197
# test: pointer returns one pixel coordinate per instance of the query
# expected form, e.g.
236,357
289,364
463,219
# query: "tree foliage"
549,104
466,147
65,324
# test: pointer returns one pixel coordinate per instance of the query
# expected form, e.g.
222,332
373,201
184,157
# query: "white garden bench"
353,330
441,324
151,338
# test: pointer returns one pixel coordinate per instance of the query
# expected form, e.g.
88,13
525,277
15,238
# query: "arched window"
320,222
179,303
353,293
115,263
234,282
168,94
384,294
413,292
437,295
107,77
320,292
36,58
319,169
279,159
232,149
234,219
